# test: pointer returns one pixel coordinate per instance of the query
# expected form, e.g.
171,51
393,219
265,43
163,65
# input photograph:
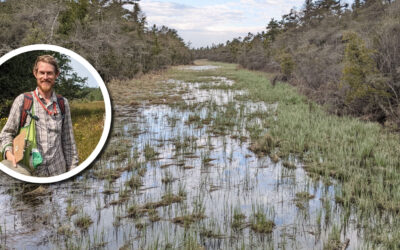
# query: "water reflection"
197,154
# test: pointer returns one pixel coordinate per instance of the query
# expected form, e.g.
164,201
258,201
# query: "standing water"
182,175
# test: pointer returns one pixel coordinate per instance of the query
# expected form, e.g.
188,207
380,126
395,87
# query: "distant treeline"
346,57
111,34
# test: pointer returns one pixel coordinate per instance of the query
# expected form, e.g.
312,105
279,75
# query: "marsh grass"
260,224
289,164
362,156
333,241
149,152
190,242
134,182
238,220
152,88
166,200
186,220
83,221
71,209
304,196
153,215
65,230
261,219
145,218
135,211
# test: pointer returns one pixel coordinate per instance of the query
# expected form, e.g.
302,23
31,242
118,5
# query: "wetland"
211,156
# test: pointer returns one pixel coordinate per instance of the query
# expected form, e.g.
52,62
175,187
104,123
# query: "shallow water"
200,67
202,150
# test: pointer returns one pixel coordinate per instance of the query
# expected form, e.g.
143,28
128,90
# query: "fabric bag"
32,157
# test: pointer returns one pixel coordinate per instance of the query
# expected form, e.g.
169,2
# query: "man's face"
45,76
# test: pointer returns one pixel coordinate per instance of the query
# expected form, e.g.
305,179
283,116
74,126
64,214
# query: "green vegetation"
362,156
111,35
333,241
260,224
361,80
238,220
346,58
141,180
88,122
83,221
188,219
304,196
94,94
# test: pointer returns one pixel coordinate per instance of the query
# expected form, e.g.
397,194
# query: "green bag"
32,157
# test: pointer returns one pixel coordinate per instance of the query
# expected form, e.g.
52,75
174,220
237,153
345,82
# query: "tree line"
346,57
112,35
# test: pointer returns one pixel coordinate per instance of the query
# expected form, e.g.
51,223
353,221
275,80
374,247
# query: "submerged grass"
238,220
83,221
188,219
260,224
362,156
302,135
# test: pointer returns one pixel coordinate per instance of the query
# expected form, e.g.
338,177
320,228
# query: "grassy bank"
362,157
88,122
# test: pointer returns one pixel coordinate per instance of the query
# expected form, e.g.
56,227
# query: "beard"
45,86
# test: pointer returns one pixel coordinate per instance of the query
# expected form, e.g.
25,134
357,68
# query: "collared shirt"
54,135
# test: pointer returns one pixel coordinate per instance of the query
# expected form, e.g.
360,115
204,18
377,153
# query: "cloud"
201,22
262,3
185,17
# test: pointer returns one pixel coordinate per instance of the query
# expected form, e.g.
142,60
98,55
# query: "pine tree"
359,70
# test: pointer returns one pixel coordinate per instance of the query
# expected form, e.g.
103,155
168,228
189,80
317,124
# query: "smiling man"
55,150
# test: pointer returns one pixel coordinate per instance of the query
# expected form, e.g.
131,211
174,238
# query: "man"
54,132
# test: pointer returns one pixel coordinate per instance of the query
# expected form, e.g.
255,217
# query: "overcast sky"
204,22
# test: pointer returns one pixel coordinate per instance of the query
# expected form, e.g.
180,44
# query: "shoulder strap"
61,104
28,100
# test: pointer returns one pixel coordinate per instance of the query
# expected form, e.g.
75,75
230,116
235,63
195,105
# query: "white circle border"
107,122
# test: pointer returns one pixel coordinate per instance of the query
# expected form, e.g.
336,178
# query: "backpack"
28,100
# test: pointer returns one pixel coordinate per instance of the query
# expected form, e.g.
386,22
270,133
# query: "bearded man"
55,141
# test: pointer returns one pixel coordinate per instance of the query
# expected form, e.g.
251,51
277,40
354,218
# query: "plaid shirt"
54,135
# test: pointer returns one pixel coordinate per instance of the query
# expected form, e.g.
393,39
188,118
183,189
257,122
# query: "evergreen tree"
360,73
273,29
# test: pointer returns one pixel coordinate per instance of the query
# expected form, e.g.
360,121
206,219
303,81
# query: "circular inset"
95,77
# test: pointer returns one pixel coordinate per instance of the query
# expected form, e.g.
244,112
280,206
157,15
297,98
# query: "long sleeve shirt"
54,135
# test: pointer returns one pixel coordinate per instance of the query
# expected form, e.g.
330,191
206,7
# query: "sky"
203,23
207,22
83,72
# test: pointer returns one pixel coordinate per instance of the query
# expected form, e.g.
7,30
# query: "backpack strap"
27,105
61,104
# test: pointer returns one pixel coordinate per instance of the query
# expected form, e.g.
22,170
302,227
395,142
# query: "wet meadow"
211,156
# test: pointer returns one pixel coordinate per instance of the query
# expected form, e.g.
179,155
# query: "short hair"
47,59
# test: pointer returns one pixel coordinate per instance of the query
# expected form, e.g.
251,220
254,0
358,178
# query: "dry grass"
88,123
151,88
166,200
186,220
83,222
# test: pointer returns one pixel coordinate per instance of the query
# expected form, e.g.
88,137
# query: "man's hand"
10,156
